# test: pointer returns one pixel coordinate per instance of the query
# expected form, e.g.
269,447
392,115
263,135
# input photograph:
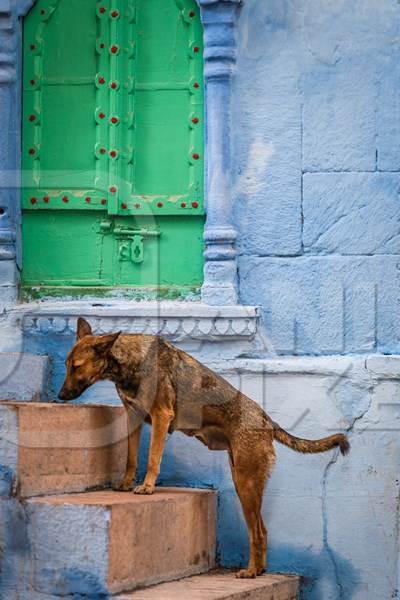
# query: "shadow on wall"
14,547
340,583
325,574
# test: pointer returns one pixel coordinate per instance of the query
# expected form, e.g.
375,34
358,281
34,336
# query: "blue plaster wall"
316,113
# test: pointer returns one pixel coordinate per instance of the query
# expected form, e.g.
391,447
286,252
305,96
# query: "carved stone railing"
177,321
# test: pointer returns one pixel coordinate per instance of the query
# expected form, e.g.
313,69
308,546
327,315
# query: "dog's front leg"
160,422
134,431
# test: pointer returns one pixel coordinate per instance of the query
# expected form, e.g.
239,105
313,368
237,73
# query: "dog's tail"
311,446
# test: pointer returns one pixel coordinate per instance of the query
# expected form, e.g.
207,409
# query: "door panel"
157,136
62,240
61,152
68,31
113,144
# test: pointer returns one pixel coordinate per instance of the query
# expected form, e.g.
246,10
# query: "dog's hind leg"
250,470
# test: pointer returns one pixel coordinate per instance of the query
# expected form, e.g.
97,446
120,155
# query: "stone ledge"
176,321
384,367
221,586
364,367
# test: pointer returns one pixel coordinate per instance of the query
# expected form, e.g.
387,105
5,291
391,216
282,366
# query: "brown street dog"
166,387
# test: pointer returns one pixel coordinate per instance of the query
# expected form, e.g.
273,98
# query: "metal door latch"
130,247
131,242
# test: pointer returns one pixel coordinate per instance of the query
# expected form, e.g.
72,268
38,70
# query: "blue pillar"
220,269
10,135
9,151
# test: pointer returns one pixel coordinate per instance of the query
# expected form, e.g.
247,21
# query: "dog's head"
87,361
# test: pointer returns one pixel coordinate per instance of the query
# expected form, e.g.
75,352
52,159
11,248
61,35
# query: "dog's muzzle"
67,395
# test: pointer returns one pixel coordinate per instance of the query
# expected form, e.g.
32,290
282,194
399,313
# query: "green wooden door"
113,146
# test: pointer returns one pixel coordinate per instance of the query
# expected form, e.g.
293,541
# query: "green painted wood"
113,133
99,264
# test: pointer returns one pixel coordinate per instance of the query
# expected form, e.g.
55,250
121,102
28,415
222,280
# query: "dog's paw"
247,573
122,486
144,489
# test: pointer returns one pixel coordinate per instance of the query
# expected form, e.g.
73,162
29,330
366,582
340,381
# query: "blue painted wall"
316,112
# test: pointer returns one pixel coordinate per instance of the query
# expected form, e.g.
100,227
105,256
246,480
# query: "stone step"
107,542
221,586
60,448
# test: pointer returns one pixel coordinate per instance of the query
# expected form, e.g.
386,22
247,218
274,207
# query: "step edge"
166,578
162,496
294,581
48,405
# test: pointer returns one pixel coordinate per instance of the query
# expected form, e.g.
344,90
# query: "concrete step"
107,542
60,448
221,586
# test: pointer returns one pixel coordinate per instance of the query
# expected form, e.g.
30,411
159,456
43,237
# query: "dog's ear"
104,343
83,328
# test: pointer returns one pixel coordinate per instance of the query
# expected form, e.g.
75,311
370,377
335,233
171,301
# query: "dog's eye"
78,363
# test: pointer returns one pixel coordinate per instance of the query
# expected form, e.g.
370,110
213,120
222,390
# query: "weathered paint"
113,143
